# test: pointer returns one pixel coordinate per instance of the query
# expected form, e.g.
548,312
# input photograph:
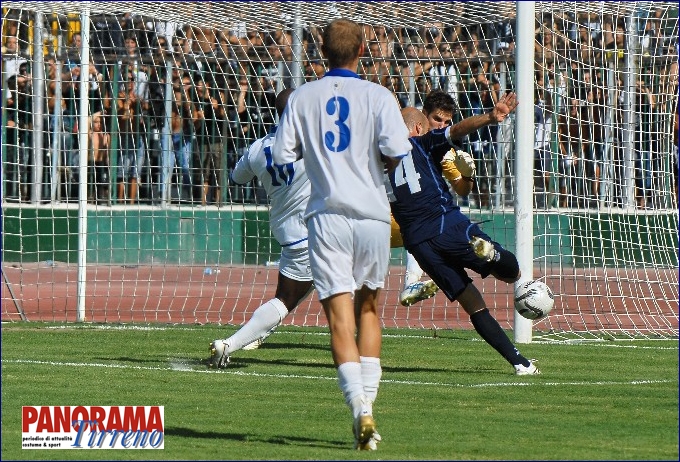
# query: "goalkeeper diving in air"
439,108
442,239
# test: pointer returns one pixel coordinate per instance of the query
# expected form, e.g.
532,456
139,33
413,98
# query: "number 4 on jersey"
406,174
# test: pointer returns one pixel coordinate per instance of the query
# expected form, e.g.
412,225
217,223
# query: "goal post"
83,145
116,204
524,147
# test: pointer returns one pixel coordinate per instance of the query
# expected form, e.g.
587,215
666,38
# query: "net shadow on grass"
245,362
288,346
244,437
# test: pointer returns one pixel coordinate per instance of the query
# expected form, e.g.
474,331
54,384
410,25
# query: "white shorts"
347,253
294,264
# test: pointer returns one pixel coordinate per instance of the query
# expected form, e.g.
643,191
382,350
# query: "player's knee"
293,293
471,299
507,266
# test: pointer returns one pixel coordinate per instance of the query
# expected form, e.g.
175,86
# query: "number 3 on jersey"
339,107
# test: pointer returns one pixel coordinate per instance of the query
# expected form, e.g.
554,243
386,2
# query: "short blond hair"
342,41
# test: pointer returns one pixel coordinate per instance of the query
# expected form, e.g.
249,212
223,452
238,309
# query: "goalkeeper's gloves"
465,164
484,249
449,169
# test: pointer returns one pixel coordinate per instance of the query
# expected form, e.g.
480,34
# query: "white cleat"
417,292
218,354
483,249
530,370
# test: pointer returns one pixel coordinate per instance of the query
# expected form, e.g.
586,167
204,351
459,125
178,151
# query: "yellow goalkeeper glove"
464,163
449,169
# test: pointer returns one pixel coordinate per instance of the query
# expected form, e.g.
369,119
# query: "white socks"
351,385
265,318
413,271
359,384
371,371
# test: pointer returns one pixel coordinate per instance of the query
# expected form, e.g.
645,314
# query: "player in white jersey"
348,130
288,189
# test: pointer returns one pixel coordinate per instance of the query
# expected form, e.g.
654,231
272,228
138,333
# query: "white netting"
178,90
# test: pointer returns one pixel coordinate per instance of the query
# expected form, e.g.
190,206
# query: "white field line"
596,343
184,366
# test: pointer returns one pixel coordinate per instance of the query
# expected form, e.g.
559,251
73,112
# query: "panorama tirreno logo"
92,427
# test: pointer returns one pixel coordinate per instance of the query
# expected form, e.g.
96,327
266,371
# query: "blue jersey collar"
337,72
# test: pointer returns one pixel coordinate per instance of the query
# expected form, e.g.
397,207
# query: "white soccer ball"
534,299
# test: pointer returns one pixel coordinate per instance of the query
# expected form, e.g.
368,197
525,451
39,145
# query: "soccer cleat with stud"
218,354
417,292
530,370
364,429
483,248
370,445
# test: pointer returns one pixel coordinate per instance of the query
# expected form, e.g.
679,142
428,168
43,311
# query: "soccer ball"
534,299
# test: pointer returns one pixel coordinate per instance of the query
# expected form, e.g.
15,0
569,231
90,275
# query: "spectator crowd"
173,107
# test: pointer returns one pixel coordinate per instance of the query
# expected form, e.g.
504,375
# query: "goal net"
122,121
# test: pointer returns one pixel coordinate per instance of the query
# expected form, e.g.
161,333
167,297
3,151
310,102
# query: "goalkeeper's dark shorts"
446,257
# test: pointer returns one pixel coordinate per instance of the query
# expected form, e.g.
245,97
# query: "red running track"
642,301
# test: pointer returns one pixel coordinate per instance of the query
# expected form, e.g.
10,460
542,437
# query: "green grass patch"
445,396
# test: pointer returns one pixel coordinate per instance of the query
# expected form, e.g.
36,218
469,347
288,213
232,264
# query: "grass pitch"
445,396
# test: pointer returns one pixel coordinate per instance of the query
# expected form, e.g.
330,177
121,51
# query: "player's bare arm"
391,163
505,105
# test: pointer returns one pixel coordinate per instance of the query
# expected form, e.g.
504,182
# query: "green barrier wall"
202,236
126,237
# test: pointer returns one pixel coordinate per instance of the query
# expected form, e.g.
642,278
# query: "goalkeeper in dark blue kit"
441,238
